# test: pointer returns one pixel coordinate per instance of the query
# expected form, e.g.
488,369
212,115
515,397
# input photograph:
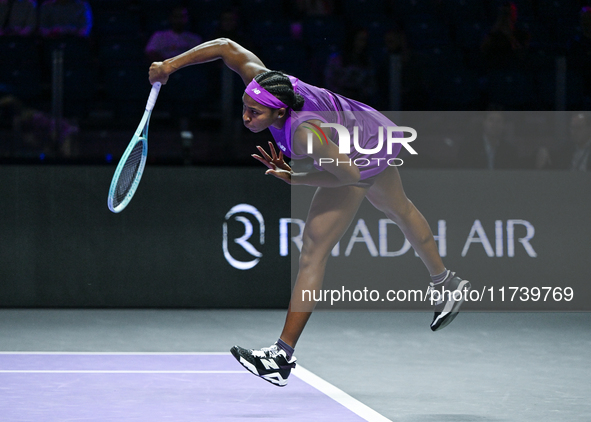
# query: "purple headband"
264,97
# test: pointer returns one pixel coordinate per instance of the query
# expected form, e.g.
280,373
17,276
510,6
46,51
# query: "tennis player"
291,109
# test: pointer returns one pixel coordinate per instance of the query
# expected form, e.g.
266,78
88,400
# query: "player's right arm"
236,57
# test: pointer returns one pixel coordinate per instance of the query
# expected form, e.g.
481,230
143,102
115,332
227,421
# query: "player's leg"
330,214
387,195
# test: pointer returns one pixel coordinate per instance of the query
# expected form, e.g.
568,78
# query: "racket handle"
153,96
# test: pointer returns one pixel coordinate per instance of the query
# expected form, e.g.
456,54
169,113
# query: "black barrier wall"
521,237
222,238
60,246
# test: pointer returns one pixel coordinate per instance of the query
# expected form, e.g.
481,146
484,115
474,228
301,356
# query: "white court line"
119,353
308,377
338,395
108,371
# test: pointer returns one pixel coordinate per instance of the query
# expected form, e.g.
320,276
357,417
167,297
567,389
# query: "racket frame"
141,135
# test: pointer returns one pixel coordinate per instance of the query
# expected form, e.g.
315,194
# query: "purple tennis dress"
328,107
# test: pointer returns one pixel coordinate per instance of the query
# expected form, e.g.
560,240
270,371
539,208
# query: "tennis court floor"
148,387
159,365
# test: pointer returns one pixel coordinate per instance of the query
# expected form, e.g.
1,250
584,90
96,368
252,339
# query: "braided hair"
278,84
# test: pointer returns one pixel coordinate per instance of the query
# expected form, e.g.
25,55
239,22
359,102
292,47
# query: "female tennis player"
292,109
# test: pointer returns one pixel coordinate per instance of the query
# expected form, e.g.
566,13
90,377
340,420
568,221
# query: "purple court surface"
47,387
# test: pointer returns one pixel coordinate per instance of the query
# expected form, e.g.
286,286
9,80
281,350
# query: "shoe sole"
274,378
448,317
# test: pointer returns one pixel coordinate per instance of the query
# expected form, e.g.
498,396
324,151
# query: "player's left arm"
339,170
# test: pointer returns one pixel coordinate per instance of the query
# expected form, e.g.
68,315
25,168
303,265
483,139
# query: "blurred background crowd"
510,79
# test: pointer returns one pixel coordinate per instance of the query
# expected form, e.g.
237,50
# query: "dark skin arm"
334,176
240,60
248,65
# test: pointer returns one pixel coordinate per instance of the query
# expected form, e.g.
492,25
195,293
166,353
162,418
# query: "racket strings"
128,174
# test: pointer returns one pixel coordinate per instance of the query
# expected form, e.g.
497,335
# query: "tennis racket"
131,166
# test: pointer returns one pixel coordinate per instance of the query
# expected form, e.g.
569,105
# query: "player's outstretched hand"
158,73
272,161
281,174
276,164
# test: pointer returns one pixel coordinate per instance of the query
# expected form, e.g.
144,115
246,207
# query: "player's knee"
312,256
400,211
